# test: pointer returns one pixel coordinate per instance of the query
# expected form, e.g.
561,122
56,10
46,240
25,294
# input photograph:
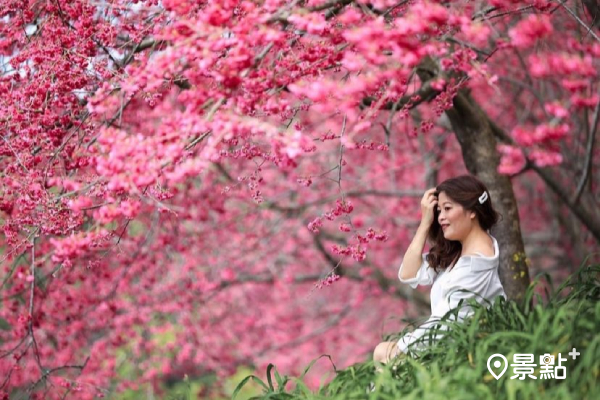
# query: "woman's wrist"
424,227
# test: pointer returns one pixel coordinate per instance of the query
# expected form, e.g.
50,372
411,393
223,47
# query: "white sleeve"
452,294
425,275
422,335
463,284
483,286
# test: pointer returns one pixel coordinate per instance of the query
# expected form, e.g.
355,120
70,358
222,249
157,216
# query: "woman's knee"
385,351
378,353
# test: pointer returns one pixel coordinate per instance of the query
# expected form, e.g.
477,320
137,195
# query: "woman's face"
455,223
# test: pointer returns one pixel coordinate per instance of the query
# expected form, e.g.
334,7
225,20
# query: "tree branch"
588,217
587,165
425,93
392,8
589,29
51,371
402,291
36,353
593,7
330,4
333,321
296,210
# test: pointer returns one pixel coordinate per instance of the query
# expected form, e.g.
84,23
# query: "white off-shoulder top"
477,274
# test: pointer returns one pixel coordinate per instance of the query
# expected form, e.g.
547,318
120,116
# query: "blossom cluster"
341,207
161,160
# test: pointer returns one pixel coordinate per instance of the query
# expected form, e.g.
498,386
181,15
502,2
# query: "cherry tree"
188,187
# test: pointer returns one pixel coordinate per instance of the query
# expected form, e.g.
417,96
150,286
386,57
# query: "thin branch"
62,17
392,8
51,371
265,278
7,379
36,352
149,236
336,265
467,45
531,89
262,54
110,122
15,248
387,128
282,14
16,155
80,190
483,12
141,46
330,4
341,159
214,109
333,321
197,140
295,210
518,10
9,352
593,8
587,166
586,215
589,29
56,153
425,93
401,290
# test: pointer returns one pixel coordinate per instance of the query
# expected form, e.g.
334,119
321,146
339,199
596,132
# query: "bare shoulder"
483,248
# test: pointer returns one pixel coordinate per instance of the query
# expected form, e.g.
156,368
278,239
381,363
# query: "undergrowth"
456,365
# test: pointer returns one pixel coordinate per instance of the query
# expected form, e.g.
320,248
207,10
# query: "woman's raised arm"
412,260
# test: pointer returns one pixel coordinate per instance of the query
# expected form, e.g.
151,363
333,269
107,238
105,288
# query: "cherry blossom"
178,177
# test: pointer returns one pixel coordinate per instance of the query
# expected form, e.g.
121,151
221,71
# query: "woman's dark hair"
464,190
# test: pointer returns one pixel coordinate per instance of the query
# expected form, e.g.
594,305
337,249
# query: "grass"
456,365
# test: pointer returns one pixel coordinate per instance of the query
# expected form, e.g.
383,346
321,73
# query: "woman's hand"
412,260
428,204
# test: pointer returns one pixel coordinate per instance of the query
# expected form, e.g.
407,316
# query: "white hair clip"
483,197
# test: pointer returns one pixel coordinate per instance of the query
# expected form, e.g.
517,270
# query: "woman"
456,217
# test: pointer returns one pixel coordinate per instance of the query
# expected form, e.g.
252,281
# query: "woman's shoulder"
480,262
468,265
485,249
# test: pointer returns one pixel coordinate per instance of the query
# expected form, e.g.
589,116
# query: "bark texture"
474,132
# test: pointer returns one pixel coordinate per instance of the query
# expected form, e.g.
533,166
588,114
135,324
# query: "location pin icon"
496,365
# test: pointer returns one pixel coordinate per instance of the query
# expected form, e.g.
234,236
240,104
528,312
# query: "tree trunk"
474,133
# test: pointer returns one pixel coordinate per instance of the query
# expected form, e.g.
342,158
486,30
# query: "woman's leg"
385,351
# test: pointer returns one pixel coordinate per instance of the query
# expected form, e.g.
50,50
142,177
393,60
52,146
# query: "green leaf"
246,380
